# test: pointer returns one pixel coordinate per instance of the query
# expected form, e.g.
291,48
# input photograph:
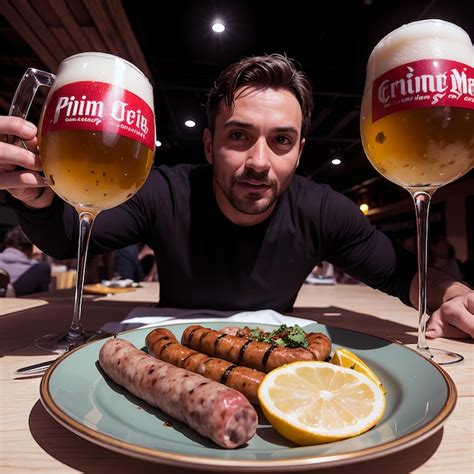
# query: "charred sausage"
257,355
318,343
212,409
162,344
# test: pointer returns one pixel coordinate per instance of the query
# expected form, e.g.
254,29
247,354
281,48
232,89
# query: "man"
244,232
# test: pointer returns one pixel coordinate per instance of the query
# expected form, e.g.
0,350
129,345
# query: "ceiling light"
218,26
190,123
364,208
158,143
336,161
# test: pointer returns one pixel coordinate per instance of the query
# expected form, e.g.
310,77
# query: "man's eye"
236,135
282,140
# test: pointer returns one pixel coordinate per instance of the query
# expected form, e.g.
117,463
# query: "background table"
30,440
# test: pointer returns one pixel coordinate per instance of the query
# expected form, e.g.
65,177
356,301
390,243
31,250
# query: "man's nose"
258,156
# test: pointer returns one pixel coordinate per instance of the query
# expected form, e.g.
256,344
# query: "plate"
420,396
98,289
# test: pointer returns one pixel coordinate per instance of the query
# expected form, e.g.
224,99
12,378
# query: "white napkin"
149,316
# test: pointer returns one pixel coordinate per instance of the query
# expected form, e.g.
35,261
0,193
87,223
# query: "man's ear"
207,140
302,144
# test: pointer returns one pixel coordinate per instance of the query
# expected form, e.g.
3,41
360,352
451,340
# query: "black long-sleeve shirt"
206,261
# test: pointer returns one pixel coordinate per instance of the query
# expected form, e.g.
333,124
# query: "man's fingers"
451,320
433,331
29,196
31,144
24,194
12,156
17,127
21,179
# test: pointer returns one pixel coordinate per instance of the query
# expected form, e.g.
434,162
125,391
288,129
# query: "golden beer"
86,172
420,148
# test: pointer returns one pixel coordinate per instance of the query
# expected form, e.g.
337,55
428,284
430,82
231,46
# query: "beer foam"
426,39
102,67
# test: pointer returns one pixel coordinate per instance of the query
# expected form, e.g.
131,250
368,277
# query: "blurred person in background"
135,262
20,258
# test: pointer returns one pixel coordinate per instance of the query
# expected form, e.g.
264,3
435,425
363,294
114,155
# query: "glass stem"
86,219
422,201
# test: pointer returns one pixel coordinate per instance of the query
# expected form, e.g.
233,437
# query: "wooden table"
30,440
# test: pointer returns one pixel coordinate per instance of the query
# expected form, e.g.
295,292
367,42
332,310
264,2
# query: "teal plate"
420,396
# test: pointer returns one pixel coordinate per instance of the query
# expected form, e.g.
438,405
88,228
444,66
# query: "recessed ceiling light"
190,123
218,26
158,143
336,161
364,208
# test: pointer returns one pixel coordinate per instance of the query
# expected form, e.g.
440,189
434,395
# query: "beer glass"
417,124
96,140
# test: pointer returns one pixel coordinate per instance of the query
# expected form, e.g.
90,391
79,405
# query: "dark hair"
272,70
17,239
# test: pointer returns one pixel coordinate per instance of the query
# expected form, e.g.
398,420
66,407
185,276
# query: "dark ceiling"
331,40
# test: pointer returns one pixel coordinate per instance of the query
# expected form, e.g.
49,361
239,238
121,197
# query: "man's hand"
25,184
454,318
451,304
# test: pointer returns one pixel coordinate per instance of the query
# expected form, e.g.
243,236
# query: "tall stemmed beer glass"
96,141
417,124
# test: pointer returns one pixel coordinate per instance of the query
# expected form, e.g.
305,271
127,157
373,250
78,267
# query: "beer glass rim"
107,55
418,22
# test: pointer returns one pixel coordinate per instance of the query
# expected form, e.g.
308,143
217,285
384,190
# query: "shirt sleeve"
55,230
355,246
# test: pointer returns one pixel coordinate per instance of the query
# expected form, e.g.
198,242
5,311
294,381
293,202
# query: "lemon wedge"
346,358
311,402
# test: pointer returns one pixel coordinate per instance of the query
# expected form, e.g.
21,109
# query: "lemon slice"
346,358
311,402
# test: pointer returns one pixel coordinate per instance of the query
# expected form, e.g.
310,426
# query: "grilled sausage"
212,409
257,355
318,343
162,344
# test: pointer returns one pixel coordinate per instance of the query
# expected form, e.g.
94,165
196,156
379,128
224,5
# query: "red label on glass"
425,83
100,107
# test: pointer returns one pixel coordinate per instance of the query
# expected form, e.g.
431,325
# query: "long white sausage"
212,409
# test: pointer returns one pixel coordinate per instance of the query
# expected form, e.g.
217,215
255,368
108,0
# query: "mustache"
252,175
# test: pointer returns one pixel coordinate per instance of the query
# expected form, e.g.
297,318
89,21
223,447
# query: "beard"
252,203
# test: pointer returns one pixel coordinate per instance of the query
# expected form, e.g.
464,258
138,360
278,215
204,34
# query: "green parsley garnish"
288,336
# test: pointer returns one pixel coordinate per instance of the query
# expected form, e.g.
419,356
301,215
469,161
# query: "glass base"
440,356
59,343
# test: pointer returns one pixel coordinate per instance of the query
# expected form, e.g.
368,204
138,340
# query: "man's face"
254,152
